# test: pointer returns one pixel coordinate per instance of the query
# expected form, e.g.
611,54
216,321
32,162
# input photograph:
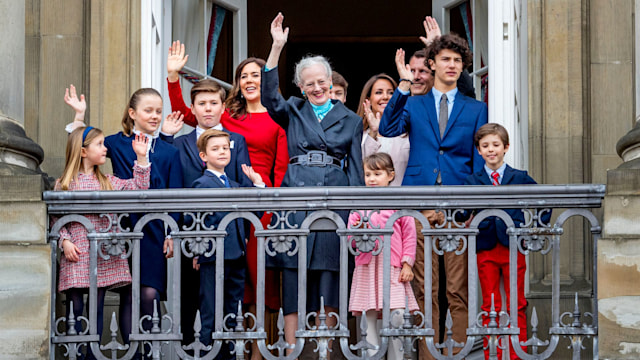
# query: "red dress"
267,143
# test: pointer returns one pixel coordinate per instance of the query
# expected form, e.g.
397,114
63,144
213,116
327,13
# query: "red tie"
494,177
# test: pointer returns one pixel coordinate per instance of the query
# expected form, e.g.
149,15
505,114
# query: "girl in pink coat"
367,285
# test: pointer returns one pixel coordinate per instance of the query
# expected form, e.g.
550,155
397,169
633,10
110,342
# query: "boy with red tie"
214,147
492,242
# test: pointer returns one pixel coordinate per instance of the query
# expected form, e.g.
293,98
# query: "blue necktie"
225,180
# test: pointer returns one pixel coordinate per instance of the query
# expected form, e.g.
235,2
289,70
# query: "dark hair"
366,94
451,42
338,79
420,54
127,121
491,129
208,134
378,161
236,103
207,86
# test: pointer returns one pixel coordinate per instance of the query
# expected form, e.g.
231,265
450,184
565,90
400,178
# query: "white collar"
200,130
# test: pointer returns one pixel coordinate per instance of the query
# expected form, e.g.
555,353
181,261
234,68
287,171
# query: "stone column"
25,265
619,247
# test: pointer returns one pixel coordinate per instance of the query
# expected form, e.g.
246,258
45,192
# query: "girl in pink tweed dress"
85,153
367,285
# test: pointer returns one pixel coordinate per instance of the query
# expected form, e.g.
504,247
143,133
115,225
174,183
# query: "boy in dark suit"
214,151
492,242
207,103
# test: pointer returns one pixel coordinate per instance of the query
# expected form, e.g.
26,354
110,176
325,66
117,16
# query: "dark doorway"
359,38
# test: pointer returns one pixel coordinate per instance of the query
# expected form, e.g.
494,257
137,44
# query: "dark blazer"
453,155
494,230
339,134
165,174
234,245
193,167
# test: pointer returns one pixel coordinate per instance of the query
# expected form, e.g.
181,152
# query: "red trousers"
491,263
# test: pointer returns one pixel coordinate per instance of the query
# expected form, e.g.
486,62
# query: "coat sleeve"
282,158
408,228
64,232
354,159
177,103
516,214
169,139
395,119
175,179
276,105
242,158
478,161
369,146
140,180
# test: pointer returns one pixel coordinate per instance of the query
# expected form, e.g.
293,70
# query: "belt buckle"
315,158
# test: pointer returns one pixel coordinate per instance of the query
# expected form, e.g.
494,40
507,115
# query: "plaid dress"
113,272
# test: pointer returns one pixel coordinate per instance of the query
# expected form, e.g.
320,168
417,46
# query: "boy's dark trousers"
234,279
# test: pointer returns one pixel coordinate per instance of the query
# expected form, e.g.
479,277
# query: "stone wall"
619,267
25,269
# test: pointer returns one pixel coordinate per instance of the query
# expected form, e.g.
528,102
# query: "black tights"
76,296
147,295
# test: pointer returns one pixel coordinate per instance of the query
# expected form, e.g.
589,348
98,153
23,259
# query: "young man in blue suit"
214,151
492,242
441,125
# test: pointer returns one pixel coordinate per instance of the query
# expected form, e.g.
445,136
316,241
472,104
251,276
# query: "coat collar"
192,148
215,178
458,105
338,112
506,177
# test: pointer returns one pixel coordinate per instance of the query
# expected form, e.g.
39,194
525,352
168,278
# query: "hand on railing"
167,248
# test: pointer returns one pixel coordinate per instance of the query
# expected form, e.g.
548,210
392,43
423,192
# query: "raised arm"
279,36
175,62
431,30
270,97
404,71
395,120
79,106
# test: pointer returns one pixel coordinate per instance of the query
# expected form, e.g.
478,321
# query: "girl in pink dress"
367,285
84,155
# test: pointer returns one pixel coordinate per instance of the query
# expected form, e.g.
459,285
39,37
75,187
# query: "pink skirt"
366,288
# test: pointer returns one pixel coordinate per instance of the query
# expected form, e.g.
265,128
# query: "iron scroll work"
284,236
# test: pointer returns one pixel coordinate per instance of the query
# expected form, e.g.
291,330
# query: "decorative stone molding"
628,148
19,155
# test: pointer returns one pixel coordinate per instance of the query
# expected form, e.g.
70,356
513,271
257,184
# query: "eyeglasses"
312,84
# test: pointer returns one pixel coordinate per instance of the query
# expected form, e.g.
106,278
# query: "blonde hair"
73,159
127,121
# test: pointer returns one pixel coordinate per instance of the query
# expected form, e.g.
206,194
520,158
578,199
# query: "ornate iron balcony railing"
320,206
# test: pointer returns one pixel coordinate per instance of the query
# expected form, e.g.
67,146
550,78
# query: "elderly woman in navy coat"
321,133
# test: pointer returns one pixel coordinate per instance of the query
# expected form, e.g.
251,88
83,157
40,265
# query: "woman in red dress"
267,142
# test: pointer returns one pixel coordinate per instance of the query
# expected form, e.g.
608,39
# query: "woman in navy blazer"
321,133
